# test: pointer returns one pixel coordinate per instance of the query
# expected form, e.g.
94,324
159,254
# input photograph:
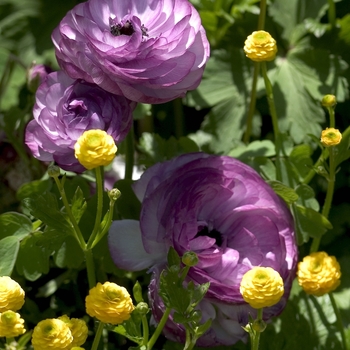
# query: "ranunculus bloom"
330,137
36,75
11,294
64,109
150,51
260,46
262,287
319,273
222,210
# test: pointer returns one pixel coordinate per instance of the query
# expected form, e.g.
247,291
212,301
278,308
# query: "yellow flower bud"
262,287
11,324
51,334
11,294
95,148
78,328
319,273
260,46
109,303
329,101
330,137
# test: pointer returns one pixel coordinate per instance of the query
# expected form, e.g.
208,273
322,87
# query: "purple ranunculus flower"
224,211
150,51
64,109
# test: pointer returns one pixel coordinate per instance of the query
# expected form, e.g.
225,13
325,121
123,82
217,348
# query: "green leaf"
301,159
342,151
14,224
307,197
9,247
286,193
131,328
173,257
70,254
309,223
264,148
45,208
28,266
34,188
78,204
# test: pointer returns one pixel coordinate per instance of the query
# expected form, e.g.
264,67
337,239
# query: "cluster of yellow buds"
11,300
319,273
61,333
262,287
109,303
95,148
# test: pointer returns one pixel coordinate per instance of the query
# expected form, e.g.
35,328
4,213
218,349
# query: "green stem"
256,338
323,156
252,103
97,336
90,267
107,225
329,196
99,191
331,117
339,323
145,329
331,13
159,328
77,233
129,155
188,344
262,15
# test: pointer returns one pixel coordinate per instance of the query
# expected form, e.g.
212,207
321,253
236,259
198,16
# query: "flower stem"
97,336
145,329
329,196
99,190
77,233
256,338
159,328
129,155
252,103
339,323
331,13
323,156
90,267
331,117
262,15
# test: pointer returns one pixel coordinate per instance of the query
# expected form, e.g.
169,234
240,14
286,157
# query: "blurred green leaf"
9,247
14,224
69,255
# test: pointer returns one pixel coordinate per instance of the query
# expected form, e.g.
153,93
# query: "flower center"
212,234
122,29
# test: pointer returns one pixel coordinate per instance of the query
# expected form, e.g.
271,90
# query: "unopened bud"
114,194
259,325
137,292
142,308
54,171
329,101
190,259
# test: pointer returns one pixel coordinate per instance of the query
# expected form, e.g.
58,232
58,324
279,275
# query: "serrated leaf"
131,328
173,257
9,247
78,204
309,223
14,224
286,193
45,208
